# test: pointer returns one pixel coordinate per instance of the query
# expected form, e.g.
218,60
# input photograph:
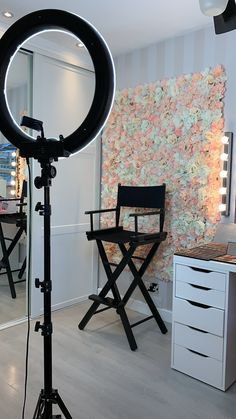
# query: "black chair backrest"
22,198
24,189
140,197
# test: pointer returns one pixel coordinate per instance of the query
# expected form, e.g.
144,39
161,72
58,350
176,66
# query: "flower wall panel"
169,131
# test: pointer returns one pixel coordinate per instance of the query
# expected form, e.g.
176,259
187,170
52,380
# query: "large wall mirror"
55,84
13,189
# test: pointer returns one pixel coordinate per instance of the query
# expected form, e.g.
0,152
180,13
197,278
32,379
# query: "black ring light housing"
33,24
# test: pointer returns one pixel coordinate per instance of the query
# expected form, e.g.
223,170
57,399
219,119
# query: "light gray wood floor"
11,308
98,377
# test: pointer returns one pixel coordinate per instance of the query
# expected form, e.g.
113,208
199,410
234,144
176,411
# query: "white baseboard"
13,323
64,304
69,303
141,307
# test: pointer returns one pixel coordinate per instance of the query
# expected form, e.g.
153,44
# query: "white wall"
185,54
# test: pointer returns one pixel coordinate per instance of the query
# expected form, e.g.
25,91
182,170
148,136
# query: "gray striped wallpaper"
186,54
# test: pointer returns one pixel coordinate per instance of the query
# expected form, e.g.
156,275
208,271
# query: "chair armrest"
97,212
143,214
9,199
101,210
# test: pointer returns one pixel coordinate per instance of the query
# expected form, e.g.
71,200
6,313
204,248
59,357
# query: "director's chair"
19,219
146,197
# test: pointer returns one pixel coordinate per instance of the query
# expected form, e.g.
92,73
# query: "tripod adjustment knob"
46,286
38,206
38,326
37,283
47,329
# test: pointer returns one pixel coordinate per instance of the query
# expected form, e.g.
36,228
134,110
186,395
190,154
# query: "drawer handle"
200,287
198,304
200,270
198,330
198,353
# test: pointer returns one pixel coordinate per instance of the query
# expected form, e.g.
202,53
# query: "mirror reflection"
51,78
67,66
13,198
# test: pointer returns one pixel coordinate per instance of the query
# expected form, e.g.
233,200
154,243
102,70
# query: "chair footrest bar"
4,273
102,309
20,280
138,258
107,301
142,321
111,263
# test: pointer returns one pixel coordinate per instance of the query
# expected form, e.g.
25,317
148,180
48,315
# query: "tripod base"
44,406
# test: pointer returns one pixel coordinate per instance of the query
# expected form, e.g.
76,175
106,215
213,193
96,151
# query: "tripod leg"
39,408
63,407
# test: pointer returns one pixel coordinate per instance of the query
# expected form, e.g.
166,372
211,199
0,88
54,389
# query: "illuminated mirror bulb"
223,173
223,191
222,207
13,182
224,156
13,173
13,154
225,140
13,163
12,192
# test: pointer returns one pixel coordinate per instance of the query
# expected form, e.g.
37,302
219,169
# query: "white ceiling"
125,24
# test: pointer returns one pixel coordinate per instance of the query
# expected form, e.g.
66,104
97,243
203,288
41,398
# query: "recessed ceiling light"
8,14
80,45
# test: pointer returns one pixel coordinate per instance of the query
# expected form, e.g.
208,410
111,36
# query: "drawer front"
200,294
206,318
198,340
193,275
203,368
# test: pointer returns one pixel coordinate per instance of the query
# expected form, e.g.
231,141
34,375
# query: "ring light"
36,23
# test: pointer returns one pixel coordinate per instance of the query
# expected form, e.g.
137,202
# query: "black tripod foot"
44,406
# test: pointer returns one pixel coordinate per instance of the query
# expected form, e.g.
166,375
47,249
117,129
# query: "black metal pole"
48,396
47,305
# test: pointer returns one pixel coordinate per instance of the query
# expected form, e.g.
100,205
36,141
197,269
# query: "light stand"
48,396
48,150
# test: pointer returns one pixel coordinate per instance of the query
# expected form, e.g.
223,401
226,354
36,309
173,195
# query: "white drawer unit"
204,321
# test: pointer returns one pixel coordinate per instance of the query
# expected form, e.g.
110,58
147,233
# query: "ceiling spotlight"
213,7
8,14
226,21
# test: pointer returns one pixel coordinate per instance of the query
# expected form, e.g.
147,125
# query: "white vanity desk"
204,320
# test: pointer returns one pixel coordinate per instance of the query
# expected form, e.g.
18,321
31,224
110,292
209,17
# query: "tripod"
48,396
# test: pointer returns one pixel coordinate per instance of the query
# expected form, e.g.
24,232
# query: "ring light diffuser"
53,19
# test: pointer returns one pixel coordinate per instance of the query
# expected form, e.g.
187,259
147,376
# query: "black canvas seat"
152,200
19,219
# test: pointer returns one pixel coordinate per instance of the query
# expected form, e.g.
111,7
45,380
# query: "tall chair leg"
152,306
138,281
7,264
22,269
127,327
88,315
